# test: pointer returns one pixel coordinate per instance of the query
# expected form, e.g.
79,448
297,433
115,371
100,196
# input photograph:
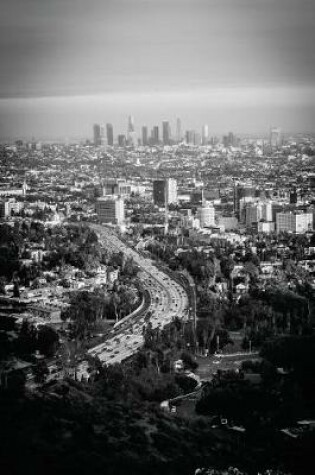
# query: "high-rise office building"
155,135
267,211
253,214
277,208
257,211
178,130
166,132
275,137
229,140
131,134
159,192
165,190
103,135
131,124
190,137
171,190
110,210
98,134
144,135
242,195
110,134
205,134
121,140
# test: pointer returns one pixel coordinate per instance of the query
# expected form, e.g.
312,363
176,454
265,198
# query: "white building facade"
295,223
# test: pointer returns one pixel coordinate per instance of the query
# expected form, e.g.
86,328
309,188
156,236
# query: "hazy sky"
241,64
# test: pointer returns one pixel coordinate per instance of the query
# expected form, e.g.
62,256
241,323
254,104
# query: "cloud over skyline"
219,49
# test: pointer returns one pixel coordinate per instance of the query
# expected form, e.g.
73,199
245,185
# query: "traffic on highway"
168,300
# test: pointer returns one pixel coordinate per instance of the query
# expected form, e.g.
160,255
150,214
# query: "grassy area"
208,366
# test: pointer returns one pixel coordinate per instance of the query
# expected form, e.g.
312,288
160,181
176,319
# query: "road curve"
168,300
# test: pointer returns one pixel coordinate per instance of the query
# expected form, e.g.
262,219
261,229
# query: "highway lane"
168,300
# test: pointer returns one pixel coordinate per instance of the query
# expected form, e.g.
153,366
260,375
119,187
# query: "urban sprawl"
177,269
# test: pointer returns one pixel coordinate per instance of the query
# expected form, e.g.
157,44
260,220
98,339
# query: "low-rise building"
206,215
9,206
266,227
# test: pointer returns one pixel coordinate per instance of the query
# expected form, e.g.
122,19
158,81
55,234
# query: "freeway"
168,300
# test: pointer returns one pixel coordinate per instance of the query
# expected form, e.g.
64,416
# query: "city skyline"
162,135
244,65
157,237
119,127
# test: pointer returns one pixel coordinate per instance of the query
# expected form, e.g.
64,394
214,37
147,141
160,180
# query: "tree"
292,352
5,345
40,371
9,260
189,362
130,269
252,270
186,383
86,308
2,285
47,339
227,265
26,342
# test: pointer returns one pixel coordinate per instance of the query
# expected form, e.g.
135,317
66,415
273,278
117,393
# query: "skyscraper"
178,130
121,140
98,134
275,137
205,134
110,134
229,140
155,135
171,190
144,135
190,137
131,124
166,132
131,134
242,195
159,192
